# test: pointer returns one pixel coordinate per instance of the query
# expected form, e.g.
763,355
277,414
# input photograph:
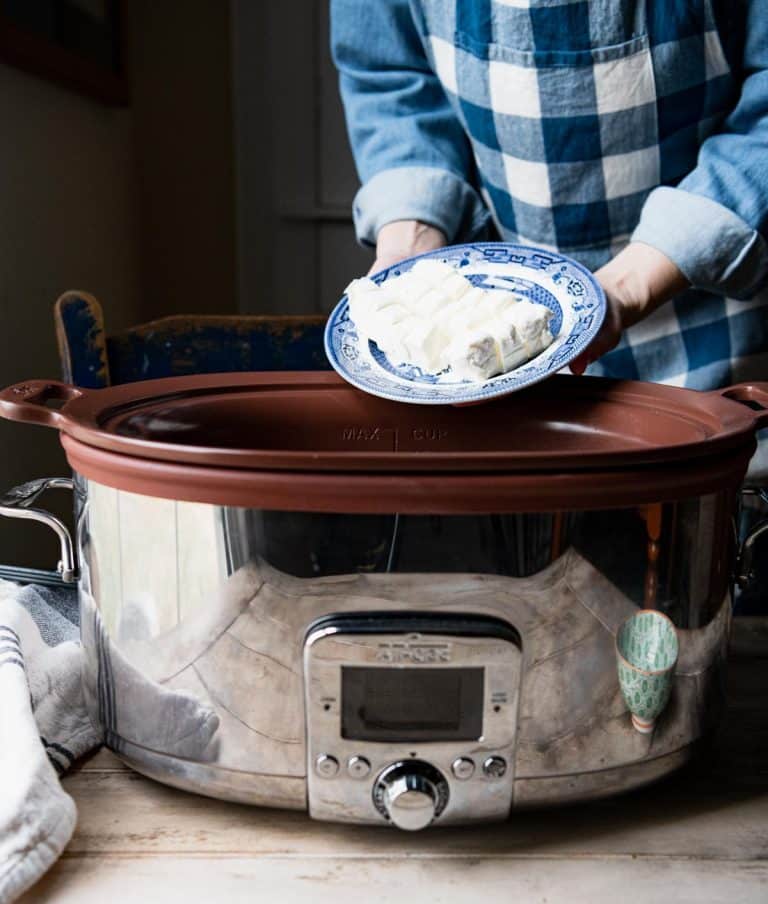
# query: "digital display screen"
411,704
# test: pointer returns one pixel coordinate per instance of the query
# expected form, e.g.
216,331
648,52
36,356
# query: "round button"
410,802
463,768
326,766
358,767
411,794
495,767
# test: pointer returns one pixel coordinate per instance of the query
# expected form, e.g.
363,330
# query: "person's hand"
608,337
404,238
636,282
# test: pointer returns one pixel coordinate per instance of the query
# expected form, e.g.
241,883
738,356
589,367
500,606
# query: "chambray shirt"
578,125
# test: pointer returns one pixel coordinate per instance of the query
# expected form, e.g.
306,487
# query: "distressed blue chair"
172,346
175,346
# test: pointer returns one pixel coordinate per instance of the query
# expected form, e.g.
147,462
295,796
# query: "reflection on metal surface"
745,572
194,620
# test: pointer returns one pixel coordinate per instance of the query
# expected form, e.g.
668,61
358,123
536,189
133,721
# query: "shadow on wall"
127,203
66,180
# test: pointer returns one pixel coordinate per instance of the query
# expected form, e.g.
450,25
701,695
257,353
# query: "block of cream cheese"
434,318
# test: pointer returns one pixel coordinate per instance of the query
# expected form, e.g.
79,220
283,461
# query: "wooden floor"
701,836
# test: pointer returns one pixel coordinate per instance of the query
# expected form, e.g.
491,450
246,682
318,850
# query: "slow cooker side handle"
28,402
16,504
756,393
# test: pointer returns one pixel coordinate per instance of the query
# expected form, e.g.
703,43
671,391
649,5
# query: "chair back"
180,345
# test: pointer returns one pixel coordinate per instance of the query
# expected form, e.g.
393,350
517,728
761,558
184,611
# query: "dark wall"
134,204
182,115
295,175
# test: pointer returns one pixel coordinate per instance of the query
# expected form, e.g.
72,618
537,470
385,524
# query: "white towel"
44,728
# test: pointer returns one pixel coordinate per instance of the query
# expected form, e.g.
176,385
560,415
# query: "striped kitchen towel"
44,728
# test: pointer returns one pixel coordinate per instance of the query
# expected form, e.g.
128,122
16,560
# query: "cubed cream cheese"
434,318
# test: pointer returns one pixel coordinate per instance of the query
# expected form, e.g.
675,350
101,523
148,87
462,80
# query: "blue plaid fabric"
569,125
577,125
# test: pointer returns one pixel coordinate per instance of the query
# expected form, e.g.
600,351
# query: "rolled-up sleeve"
412,154
714,223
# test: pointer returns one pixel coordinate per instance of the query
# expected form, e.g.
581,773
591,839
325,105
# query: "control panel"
411,718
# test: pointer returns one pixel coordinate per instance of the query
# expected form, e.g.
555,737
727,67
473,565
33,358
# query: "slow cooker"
297,595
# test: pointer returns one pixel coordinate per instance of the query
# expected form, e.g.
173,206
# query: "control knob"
410,794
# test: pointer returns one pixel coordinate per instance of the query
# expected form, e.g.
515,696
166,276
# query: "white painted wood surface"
700,836
430,880
126,528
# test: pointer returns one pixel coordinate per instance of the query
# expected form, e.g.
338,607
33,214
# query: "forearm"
716,249
714,222
412,154
636,282
641,279
405,238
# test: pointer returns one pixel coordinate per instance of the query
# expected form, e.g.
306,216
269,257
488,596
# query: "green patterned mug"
646,653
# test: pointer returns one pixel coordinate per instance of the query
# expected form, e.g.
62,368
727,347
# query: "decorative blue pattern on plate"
569,290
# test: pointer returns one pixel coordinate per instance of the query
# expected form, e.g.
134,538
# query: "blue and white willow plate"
565,287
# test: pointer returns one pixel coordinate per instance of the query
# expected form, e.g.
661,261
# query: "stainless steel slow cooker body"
409,648
195,618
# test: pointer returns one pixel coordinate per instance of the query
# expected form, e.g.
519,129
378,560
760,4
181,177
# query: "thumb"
385,260
606,339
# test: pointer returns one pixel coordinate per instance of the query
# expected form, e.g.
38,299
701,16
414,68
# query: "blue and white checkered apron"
575,112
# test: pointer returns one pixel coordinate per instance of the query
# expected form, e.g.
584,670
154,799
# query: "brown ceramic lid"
440,493
317,422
